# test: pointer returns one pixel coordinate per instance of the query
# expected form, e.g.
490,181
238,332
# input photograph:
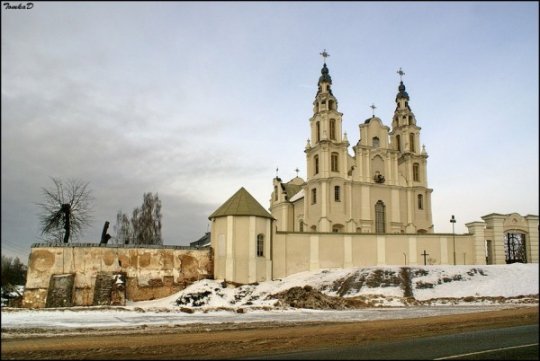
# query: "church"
369,208
366,209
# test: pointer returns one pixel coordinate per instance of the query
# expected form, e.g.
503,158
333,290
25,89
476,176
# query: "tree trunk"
66,208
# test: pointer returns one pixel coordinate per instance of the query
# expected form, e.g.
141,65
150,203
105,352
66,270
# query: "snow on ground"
382,289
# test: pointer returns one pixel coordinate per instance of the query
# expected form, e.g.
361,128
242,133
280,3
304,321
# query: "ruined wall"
137,272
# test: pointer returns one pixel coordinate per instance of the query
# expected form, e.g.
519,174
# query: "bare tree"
123,228
145,224
146,221
66,210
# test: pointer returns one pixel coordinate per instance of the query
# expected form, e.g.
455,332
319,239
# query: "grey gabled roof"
241,204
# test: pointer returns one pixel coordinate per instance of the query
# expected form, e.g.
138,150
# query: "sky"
193,100
221,304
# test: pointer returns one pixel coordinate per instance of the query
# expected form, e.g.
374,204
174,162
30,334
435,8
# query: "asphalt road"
508,343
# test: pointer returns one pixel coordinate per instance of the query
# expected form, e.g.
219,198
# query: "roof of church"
292,189
241,204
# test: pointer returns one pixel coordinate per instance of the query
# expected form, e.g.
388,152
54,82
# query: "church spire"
325,80
403,114
402,94
405,133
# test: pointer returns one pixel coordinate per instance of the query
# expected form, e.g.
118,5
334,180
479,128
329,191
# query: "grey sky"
195,100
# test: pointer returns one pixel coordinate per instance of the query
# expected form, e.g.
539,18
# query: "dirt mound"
307,297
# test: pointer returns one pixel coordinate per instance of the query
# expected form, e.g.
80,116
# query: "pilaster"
496,223
479,238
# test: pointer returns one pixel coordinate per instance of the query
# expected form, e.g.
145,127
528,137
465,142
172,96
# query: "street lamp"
453,221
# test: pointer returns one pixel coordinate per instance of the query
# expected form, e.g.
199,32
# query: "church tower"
326,157
412,161
382,188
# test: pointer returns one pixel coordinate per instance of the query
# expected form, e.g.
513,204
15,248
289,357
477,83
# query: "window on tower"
334,162
420,201
316,164
337,193
314,196
411,141
318,131
333,129
416,172
398,142
375,142
379,217
275,193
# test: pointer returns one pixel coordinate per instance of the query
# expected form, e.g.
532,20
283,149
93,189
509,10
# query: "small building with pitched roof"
241,238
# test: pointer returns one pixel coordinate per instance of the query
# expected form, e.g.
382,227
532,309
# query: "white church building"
366,209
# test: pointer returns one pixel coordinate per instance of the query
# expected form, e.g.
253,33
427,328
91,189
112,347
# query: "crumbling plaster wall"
151,272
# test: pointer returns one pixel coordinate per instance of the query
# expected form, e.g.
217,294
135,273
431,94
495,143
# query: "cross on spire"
401,73
372,106
325,55
277,169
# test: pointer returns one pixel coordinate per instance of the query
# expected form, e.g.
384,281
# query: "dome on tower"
402,93
325,75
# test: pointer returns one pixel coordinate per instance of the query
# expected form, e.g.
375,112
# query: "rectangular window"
380,217
313,196
260,245
416,172
334,162
337,193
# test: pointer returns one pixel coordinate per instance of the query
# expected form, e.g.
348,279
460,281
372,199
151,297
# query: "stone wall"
122,272
295,252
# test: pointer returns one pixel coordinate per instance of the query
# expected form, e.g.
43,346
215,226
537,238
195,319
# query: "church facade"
366,209
381,189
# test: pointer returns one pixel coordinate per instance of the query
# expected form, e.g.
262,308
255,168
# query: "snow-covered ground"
435,290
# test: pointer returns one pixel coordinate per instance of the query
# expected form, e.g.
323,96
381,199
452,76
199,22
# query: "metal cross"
401,73
425,255
297,170
324,55
276,172
373,107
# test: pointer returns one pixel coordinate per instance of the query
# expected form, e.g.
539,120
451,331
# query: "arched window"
375,142
318,125
334,162
301,225
331,105
333,129
416,172
380,217
398,142
337,193
411,141
420,201
260,245
314,196
316,163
